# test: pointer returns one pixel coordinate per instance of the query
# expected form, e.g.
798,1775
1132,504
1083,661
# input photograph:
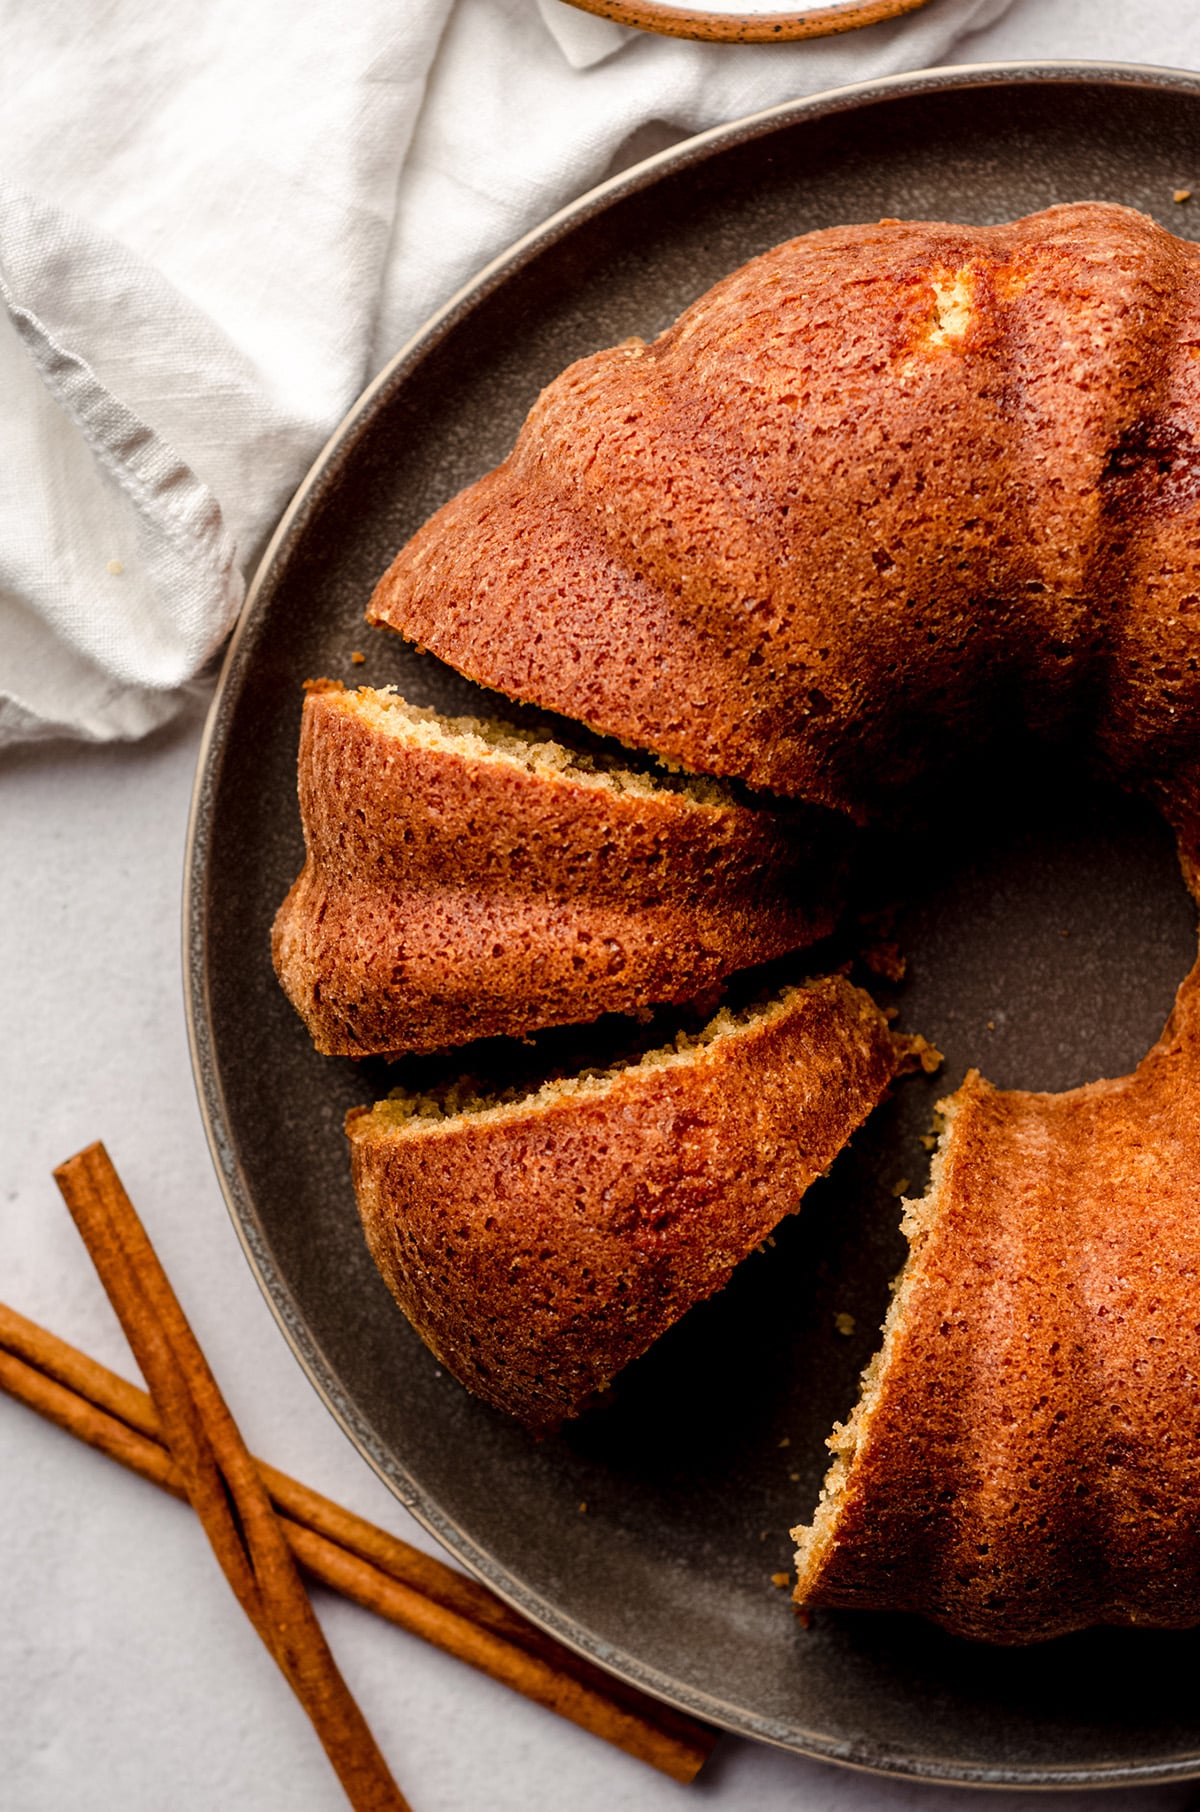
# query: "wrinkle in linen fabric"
197,208
118,577
175,531
218,221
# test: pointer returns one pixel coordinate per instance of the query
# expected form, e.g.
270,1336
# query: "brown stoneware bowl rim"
748,28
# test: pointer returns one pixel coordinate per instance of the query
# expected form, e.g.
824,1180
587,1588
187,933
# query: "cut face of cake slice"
465,880
538,1244
1024,1458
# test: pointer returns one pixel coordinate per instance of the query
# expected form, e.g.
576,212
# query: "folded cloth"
218,220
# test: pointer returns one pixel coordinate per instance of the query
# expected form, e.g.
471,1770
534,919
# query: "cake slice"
464,879
538,1244
1024,1459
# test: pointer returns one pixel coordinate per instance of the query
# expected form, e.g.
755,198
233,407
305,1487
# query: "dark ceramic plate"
1045,945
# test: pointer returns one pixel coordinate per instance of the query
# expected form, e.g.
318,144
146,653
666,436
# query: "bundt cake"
881,494
538,1244
464,879
1024,1459
882,490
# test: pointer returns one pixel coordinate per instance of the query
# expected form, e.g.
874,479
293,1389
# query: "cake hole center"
1046,929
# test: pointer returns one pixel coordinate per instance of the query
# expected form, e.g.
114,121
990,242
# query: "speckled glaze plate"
1046,930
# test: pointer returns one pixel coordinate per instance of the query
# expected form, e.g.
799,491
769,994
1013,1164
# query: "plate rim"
928,1768
699,23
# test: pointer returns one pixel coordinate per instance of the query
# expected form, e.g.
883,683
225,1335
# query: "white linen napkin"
216,221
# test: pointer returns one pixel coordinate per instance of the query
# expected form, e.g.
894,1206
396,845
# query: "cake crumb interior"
486,739
920,1215
421,1111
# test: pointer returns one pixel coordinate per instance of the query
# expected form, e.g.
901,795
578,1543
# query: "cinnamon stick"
65,1407
364,1563
219,1475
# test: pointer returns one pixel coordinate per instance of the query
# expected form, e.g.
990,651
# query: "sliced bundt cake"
1024,1458
464,879
539,1244
883,494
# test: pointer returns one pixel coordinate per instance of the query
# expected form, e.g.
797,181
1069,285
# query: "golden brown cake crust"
539,1250
448,896
881,490
1030,1463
